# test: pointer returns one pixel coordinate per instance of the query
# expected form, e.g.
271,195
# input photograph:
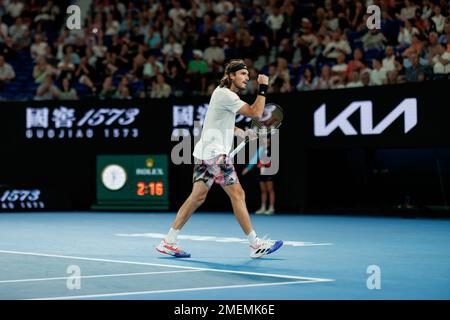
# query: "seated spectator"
356,64
38,48
438,19
405,35
340,67
152,67
160,89
392,77
441,63
176,81
324,80
354,80
373,39
47,90
445,37
337,46
388,60
172,51
365,78
416,71
306,81
122,92
20,34
399,66
6,72
42,70
408,11
85,74
214,56
67,92
196,72
378,73
66,68
108,89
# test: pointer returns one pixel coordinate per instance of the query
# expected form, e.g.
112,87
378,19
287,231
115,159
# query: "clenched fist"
263,79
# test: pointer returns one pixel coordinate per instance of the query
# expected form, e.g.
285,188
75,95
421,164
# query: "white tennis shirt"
218,127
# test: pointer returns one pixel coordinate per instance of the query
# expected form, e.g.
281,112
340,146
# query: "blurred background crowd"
157,49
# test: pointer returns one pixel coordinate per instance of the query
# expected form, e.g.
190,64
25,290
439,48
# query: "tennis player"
212,164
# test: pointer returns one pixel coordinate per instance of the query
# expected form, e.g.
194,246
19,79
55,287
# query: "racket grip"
238,148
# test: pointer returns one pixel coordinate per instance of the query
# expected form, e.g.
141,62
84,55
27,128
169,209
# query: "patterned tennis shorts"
219,170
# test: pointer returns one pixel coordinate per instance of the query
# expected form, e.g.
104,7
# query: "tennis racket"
268,123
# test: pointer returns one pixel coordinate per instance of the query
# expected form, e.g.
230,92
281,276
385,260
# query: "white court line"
165,265
177,290
96,276
218,239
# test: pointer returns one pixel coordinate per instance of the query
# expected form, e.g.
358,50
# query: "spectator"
306,81
214,56
66,68
160,89
6,72
373,39
356,64
275,22
408,11
86,74
388,60
47,90
15,8
122,92
365,78
445,37
196,71
405,35
108,90
354,80
392,77
416,71
42,70
172,52
18,31
324,80
438,19
399,66
378,73
337,46
67,92
441,63
340,67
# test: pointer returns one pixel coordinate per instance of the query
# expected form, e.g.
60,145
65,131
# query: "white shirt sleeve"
231,101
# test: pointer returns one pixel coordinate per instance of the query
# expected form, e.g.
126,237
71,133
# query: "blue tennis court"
100,255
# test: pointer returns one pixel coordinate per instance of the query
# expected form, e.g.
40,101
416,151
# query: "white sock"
263,207
172,236
252,237
272,208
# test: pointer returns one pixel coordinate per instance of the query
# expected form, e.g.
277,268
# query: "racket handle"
238,148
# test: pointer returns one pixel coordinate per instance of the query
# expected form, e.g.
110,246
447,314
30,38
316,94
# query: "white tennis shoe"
263,247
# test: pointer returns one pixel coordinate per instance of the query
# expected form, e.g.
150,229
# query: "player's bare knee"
237,195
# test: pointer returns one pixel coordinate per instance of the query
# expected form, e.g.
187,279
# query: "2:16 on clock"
153,188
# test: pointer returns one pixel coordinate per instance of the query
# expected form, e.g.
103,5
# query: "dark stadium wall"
367,170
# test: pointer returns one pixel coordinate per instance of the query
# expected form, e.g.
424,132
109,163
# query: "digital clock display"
132,182
150,189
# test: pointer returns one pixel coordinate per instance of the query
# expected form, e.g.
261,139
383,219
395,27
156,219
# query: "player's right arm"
256,109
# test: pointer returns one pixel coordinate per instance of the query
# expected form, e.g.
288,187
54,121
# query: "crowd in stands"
156,49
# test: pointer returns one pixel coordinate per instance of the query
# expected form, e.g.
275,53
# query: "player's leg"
262,209
271,191
195,200
237,197
258,247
